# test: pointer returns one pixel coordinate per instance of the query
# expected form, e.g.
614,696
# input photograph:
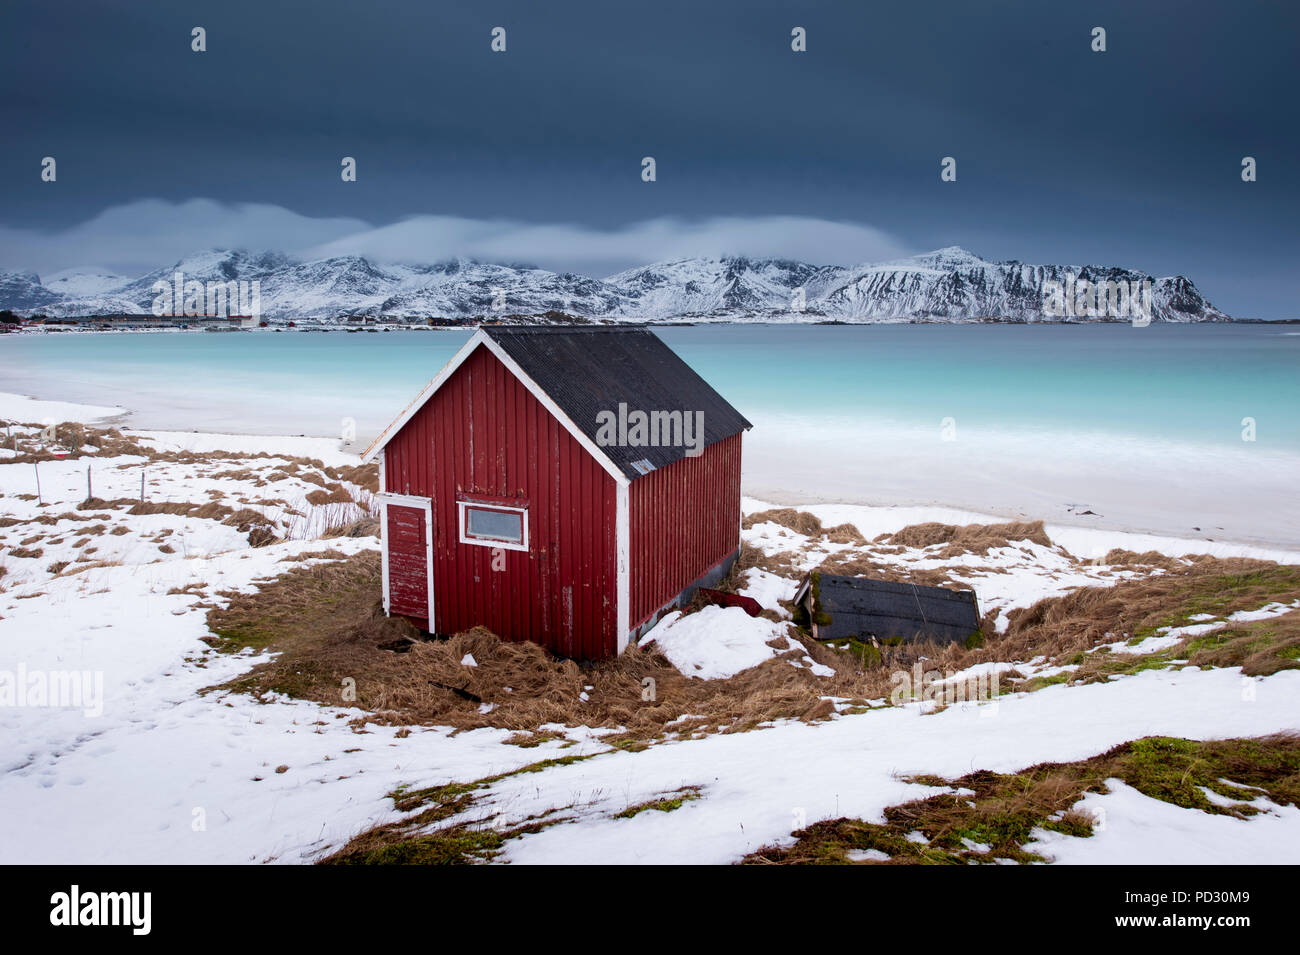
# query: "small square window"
491,525
494,525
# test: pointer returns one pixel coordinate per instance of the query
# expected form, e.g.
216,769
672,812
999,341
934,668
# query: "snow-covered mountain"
948,285
22,292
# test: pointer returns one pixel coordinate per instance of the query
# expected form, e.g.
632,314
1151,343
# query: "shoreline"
1089,537
89,326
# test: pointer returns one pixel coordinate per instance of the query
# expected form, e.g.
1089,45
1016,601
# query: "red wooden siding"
685,519
483,436
408,561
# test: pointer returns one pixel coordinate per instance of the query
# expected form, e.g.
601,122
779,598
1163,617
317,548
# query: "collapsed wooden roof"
863,608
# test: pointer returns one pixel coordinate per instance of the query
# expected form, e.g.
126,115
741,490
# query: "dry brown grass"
854,565
73,438
801,522
111,442
257,526
362,527
1089,616
968,539
327,626
976,539
87,563
335,494
781,563
1260,648
1146,561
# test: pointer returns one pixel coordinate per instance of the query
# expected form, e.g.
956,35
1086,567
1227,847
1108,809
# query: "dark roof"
861,607
589,370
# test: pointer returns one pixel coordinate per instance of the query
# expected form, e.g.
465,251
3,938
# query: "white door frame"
408,500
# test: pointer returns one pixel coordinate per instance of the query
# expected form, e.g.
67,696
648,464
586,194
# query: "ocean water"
1141,426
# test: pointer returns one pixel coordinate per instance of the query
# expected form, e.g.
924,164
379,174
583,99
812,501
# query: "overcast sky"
1129,157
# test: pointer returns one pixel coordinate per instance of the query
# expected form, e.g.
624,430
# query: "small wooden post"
142,485
89,490
36,468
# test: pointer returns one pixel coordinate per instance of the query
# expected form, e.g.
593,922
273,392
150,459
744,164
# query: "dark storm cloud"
1128,157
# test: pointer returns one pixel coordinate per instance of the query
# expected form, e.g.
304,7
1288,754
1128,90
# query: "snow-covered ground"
757,787
1139,830
145,767
265,484
717,642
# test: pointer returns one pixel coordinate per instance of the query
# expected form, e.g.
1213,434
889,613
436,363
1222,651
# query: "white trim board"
623,565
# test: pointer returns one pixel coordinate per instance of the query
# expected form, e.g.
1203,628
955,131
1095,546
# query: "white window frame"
463,521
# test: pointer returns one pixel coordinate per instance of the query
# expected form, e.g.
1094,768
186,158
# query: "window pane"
499,525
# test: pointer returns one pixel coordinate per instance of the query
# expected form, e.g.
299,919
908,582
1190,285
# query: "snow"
57,531
1081,542
83,284
1135,829
817,669
1005,578
153,770
769,589
1091,544
948,284
757,787
129,785
325,450
33,410
1263,613
1151,644
716,642
866,855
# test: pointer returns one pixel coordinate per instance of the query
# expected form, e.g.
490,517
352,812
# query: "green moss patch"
669,803
420,839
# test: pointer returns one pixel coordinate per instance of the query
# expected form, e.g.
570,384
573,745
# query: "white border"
408,500
493,542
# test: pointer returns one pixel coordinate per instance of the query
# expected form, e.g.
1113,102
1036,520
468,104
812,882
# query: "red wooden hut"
565,485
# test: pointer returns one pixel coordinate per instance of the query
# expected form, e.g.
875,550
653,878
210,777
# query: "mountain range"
948,285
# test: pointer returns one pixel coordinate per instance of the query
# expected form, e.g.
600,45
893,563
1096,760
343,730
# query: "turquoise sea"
1050,420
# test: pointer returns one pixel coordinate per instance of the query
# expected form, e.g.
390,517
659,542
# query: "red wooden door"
406,539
